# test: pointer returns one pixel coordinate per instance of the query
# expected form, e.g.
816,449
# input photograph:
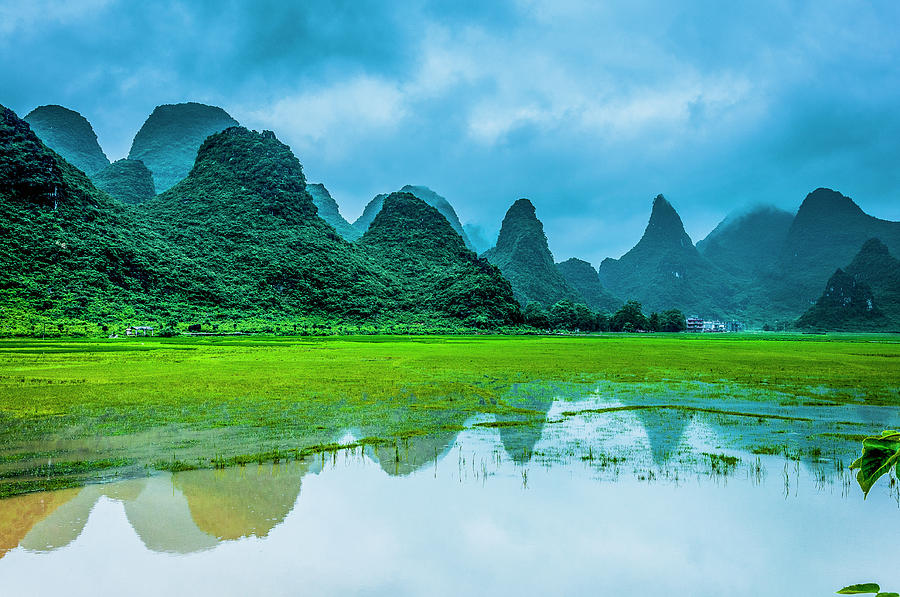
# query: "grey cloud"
590,109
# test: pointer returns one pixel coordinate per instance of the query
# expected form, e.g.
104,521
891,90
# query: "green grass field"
83,410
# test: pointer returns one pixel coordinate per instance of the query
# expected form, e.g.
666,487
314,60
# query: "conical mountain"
425,194
857,297
582,276
328,211
243,214
69,134
437,271
749,242
129,181
168,141
826,234
442,205
524,257
874,265
70,250
665,271
846,304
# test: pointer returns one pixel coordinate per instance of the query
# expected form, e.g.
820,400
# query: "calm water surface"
621,503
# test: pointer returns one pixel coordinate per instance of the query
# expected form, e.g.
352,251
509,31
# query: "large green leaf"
879,455
868,587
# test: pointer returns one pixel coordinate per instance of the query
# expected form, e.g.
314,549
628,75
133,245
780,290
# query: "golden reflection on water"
19,514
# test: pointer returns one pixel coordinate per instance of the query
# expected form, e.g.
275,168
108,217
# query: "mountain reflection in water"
522,509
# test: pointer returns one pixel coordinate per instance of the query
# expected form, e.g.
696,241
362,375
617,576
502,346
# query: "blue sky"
589,109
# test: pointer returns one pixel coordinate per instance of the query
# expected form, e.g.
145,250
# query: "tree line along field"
74,411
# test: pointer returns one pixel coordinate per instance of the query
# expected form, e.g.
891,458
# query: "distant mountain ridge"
168,141
443,206
582,276
127,180
826,233
69,134
328,211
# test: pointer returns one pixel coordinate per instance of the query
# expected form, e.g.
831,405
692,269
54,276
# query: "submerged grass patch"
211,402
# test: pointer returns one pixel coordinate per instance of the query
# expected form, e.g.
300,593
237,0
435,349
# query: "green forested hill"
129,181
443,206
582,276
664,270
826,234
522,254
439,273
69,134
243,214
238,239
846,304
863,296
168,141
70,251
328,211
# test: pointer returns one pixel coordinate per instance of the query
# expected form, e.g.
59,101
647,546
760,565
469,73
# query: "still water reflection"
624,503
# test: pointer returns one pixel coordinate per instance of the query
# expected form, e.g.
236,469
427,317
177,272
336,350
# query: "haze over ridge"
603,109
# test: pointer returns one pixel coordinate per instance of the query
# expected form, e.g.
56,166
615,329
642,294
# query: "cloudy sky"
588,108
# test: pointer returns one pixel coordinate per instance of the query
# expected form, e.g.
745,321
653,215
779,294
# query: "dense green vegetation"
372,208
665,270
237,245
327,208
100,407
582,276
69,134
864,297
522,254
168,141
129,181
70,253
439,272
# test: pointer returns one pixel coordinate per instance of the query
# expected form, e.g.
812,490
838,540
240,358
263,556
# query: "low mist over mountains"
748,243
236,231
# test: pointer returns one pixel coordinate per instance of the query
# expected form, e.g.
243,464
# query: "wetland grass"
223,402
